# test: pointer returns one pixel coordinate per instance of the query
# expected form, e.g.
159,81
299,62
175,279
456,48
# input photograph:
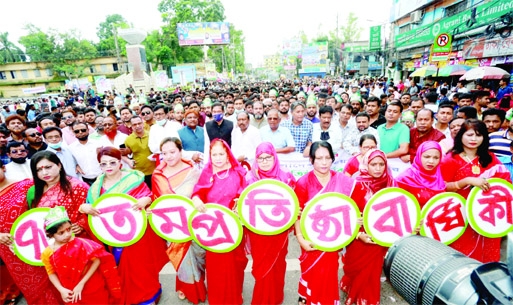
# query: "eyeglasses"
265,159
18,151
272,119
77,131
267,106
34,134
145,113
111,164
108,124
67,117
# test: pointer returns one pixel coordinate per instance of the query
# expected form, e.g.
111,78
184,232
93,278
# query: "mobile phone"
122,146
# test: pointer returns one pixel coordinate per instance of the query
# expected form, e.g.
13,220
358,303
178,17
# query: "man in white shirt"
19,167
352,140
326,131
163,128
114,138
245,139
84,150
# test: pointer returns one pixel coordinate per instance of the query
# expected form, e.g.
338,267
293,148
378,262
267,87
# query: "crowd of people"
208,145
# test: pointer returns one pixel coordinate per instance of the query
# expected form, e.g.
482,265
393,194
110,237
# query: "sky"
265,23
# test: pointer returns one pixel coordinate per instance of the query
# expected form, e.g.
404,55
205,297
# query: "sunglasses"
145,113
67,117
267,106
111,164
34,134
18,151
77,131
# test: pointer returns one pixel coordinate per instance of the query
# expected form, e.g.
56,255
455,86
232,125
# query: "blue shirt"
192,140
301,133
503,91
508,163
499,143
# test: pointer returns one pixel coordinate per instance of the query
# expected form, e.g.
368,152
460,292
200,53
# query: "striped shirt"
499,143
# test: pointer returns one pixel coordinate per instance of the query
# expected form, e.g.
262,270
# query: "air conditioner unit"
416,16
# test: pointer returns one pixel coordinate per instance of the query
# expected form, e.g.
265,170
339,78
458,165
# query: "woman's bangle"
80,209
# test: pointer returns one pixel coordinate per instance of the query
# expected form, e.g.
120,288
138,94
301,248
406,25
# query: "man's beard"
110,134
258,116
286,112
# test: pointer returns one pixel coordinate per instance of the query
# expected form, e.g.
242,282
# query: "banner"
38,89
291,47
482,47
375,38
314,55
102,84
203,33
183,74
329,220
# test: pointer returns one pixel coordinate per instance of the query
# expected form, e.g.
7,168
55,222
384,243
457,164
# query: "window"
13,74
103,68
405,28
92,69
456,8
115,67
2,75
49,72
24,73
37,73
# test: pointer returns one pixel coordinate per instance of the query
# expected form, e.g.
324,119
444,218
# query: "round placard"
490,213
28,232
444,217
169,217
217,230
118,225
329,221
268,207
390,214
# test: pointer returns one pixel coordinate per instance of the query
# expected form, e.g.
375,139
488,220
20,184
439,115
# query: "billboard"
291,47
183,74
203,33
315,55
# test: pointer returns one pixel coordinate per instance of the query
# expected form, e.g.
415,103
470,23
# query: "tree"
351,31
9,52
234,54
182,11
105,33
39,46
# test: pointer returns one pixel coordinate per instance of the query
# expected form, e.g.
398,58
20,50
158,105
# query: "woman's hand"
359,221
5,239
142,203
86,208
199,205
481,183
305,244
365,238
77,292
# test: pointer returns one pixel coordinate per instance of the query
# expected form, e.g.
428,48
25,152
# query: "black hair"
318,144
445,105
14,144
40,184
325,109
362,114
494,111
396,103
160,106
426,109
482,151
50,129
469,111
367,136
53,229
217,104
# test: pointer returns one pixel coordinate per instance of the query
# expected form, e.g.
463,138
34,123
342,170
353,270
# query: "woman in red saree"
367,141
363,260
175,175
139,264
222,181
52,187
318,283
468,165
268,252
81,269
32,281
424,178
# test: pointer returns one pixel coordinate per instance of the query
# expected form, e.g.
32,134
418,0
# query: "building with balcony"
480,31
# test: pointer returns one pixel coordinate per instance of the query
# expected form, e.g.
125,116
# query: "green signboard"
356,49
375,38
484,14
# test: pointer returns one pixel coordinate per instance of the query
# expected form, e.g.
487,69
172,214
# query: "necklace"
225,175
476,169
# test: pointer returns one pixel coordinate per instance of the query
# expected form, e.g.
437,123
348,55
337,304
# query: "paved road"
167,278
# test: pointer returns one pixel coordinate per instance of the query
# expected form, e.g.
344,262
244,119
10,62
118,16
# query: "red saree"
71,261
225,271
318,283
54,196
139,264
471,243
31,280
188,258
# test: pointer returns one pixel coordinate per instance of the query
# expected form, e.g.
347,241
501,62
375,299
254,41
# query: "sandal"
181,295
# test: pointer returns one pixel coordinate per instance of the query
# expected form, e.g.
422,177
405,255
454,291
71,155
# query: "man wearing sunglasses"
84,151
19,168
35,142
147,115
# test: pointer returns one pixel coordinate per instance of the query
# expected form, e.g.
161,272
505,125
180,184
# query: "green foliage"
351,30
105,32
9,52
66,53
